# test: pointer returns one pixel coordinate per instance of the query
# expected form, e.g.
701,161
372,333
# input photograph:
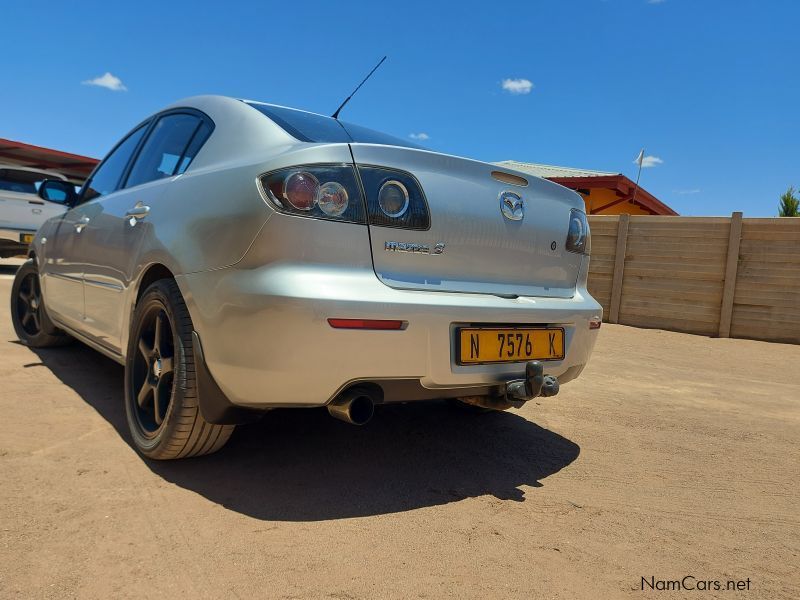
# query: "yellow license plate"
478,345
25,238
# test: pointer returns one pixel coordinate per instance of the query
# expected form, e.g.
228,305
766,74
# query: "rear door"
485,236
114,236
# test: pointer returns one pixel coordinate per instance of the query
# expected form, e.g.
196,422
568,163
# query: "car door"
62,270
66,253
114,236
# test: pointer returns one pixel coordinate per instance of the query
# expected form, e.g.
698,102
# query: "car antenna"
353,93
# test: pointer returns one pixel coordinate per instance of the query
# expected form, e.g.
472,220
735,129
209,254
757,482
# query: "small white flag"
640,158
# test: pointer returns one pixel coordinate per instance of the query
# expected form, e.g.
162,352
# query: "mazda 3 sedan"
237,256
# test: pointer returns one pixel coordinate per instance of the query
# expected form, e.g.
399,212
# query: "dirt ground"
672,455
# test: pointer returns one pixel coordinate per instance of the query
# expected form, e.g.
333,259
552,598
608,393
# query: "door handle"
139,211
81,223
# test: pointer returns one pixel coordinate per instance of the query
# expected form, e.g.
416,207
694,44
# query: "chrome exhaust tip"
354,406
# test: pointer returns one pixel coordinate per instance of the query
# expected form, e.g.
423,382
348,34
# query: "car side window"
167,149
107,177
199,138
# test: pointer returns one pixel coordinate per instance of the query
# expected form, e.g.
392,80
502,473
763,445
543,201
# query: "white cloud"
419,136
108,81
656,1
517,86
686,192
648,161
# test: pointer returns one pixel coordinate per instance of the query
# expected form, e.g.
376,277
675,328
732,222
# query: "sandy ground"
673,455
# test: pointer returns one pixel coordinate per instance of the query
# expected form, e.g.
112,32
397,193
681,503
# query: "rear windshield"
310,127
23,182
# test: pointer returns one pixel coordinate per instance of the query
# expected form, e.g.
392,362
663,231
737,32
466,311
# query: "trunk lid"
484,251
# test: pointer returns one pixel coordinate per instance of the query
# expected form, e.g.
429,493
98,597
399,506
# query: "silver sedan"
237,256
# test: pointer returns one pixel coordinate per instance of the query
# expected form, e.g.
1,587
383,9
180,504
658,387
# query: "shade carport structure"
73,166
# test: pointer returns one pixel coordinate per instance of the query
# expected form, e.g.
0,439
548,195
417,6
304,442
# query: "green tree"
790,204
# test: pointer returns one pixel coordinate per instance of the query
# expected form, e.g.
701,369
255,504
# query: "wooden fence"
720,276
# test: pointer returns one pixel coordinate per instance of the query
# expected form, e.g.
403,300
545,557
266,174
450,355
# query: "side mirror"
56,190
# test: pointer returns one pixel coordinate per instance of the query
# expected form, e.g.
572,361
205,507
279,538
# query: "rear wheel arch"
151,274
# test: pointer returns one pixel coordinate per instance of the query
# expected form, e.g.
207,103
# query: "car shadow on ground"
302,465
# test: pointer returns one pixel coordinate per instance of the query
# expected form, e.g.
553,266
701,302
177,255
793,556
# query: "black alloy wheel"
29,302
28,312
162,404
153,374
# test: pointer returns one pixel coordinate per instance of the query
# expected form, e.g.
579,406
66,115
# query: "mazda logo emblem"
512,206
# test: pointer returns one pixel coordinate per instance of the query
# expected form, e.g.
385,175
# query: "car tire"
28,314
161,398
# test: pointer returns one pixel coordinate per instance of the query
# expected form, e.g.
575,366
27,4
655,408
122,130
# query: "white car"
22,210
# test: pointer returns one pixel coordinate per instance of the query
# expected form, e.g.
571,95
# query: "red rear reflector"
594,323
365,324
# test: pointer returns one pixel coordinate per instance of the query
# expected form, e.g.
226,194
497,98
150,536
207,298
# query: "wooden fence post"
731,267
619,268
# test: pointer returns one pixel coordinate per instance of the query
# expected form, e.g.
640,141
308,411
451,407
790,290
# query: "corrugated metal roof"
551,170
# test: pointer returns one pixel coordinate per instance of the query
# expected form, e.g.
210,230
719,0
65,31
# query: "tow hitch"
535,384
517,392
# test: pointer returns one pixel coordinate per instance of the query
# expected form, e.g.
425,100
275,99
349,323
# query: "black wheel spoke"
157,342
36,323
26,318
144,393
145,349
25,297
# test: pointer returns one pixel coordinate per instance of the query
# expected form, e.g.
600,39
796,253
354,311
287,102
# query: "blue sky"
711,87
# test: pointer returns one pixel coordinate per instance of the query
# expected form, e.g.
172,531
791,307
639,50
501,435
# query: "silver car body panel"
483,251
260,284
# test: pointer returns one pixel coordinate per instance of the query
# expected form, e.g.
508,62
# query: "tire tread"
191,435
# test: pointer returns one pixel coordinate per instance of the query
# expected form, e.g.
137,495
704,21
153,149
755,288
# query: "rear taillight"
394,199
578,238
300,190
320,191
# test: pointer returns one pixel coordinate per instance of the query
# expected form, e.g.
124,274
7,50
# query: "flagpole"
638,175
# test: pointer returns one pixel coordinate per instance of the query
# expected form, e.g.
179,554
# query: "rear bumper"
10,244
267,341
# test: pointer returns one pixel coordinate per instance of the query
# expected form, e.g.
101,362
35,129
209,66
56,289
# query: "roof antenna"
353,93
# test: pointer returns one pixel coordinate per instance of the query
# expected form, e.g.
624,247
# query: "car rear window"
311,127
23,182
